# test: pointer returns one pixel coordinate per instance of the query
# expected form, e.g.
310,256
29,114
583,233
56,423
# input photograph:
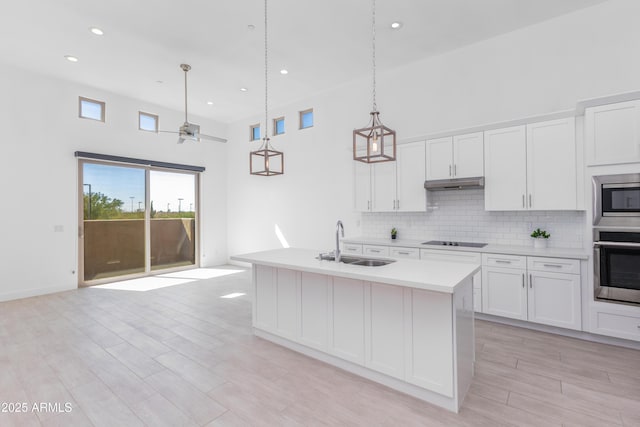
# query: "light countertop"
438,276
573,253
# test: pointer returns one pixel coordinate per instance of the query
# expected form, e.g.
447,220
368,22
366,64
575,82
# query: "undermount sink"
365,262
372,262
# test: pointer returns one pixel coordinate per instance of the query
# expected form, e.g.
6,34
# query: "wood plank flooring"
183,356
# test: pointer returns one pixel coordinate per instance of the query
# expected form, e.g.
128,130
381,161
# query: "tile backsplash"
460,215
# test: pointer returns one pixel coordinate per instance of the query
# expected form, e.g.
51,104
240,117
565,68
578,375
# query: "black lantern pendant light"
375,143
266,161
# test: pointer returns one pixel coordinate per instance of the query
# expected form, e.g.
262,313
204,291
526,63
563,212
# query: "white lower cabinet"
554,299
287,303
346,320
384,328
375,250
265,308
429,347
393,330
504,292
621,323
537,293
314,310
352,248
405,253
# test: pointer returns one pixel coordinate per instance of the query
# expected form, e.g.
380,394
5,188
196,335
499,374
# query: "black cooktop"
447,243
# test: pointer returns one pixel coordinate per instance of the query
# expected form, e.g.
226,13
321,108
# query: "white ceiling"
322,43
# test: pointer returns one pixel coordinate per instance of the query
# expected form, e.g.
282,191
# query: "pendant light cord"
266,80
373,31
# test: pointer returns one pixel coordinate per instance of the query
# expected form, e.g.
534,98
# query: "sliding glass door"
173,219
135,220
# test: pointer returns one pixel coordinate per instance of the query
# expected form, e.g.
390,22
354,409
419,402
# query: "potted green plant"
540,238
394,233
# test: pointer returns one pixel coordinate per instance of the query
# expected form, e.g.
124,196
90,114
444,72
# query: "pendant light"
375,143
266,161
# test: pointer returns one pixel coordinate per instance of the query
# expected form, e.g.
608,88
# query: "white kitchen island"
407,325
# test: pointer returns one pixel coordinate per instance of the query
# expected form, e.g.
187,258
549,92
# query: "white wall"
536,70
38,171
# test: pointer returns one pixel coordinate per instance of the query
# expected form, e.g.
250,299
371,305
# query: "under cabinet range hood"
454,184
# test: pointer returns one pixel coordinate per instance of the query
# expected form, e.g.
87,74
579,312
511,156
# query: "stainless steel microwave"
616,200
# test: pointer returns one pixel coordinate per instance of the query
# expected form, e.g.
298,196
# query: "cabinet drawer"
375,250
455,256
352,248
411,253
556,265
506,261
621,325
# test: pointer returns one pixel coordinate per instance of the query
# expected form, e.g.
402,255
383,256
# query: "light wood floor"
181,355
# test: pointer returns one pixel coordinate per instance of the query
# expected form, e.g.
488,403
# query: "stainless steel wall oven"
617,265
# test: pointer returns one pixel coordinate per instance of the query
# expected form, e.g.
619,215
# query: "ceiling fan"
190,131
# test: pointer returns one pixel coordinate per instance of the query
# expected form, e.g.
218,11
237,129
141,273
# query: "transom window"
306,118
91,109
278,126
254,132
147,122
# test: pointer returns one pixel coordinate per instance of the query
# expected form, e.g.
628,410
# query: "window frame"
155,117
275,126
103,108
251,132
302,113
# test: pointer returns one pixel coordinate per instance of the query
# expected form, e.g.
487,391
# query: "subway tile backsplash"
460,215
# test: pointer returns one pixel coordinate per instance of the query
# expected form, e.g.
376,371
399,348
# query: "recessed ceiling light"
71,58
243,89
97,31
209,102
251,27
284,71
159,82
396,25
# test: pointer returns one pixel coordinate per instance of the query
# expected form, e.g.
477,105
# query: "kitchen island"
407,325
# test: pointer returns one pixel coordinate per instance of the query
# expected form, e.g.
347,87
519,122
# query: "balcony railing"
117,247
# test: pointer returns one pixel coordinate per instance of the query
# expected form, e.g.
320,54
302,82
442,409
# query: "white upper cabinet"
392,186
460,156
505,159
468,155
531,167
362,186
612,133
440,158
384,186
551,165
411,195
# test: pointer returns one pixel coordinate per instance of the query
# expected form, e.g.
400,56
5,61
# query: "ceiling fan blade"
168,131
211,138
181,140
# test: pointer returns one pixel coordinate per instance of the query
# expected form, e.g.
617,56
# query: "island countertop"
438,276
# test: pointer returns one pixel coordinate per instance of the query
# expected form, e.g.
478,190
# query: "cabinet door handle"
455,170
503,261
403,253
397,204
553,265
449,170
523,205
523,280
374,251
530,282
530,204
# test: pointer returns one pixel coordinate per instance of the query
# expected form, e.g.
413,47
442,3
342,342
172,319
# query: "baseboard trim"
587,336
28,293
